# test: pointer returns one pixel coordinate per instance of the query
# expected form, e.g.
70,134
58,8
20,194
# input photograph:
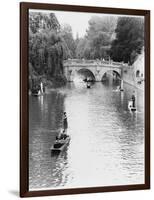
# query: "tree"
98,38
83,48
129,39
46,46
99,44
67,35
105,24
39,21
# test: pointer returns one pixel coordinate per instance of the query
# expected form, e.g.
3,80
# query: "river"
107,140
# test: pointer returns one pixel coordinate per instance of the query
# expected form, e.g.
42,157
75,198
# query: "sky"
77,20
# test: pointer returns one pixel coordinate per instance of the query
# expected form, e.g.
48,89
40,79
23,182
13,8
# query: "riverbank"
134,74
139,87
130,77
48,82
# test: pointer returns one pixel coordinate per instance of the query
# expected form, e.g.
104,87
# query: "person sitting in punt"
62,135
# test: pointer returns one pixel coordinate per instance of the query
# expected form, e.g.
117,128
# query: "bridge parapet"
78,61
93,62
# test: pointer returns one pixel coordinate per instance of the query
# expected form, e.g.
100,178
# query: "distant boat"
88,85
37,93
121,90
38,90
133,109
60,145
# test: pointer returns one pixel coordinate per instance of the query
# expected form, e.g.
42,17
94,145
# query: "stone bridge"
97,67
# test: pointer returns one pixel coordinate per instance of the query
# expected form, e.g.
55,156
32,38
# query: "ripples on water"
107,141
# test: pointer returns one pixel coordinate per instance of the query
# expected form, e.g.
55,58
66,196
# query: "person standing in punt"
65,123
133,98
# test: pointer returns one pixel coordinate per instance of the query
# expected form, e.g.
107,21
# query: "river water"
107,140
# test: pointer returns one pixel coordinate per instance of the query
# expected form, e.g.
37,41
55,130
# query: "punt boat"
60,145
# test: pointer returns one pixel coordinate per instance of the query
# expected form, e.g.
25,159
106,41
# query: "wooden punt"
60,145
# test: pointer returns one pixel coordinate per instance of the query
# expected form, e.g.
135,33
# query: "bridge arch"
114,73
86,74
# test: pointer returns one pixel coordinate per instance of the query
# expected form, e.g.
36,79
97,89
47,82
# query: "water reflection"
107,140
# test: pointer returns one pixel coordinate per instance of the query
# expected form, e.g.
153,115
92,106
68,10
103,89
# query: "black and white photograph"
86,99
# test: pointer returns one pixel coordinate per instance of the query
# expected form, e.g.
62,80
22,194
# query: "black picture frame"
24,117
